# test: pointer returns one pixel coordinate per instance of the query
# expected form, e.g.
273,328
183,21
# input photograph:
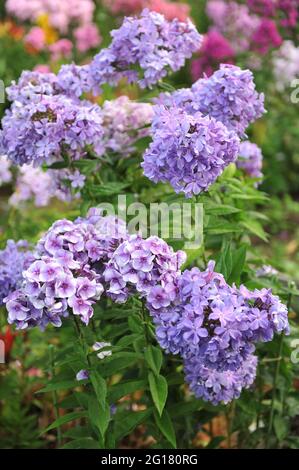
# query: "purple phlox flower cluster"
15,257
229,96
31,86
5,170
188,150
234,21
124,122
40,131
41,186
74,80
250,159
66,275
217,386
215,325
142,266
151,42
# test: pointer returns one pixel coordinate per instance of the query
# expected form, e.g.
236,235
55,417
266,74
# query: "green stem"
81,338
54,394
276,376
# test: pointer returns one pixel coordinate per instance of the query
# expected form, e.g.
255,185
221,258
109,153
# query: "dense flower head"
124,122
263,7
73,80
250,159
234,21
5,170
143,266
31,86
215,326
286,65
188,151
217,386
215,49
229,96
151,42
67,273
15,257
40,131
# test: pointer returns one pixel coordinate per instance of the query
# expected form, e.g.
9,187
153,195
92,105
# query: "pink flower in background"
234,21
126,7
266,36
61,48
61,14
42,68
290,9
36,38
87,36
263,7
215,50
170,10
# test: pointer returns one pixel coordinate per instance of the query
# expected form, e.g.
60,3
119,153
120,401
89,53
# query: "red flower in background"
8,338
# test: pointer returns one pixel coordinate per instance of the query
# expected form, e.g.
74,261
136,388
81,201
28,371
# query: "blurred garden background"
251,230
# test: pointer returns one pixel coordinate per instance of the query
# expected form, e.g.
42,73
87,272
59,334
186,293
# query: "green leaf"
83,443
99,415
107,190
120,390
55,386
65,419
154,358
220,209
164,423
127,421
159,390
281,427
119,361
99,386
255,227
238,262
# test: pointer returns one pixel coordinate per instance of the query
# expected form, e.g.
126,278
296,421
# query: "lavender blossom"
15,257
40,131
188,151
141,266
229,96
67,273
250,159
151,42
124,122
214,327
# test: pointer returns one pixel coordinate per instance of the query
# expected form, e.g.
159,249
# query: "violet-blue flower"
188,151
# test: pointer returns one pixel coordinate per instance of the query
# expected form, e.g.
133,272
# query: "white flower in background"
98,346
286,65
5,173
